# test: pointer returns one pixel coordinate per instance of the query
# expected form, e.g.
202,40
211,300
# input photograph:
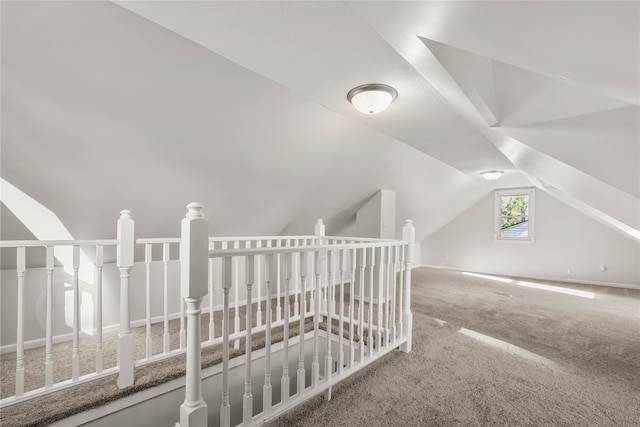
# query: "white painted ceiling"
242,106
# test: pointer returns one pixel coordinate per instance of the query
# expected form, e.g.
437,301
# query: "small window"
514,214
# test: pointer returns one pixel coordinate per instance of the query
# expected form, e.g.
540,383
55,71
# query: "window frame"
514,192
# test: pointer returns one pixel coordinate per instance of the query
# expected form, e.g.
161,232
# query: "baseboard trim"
536,277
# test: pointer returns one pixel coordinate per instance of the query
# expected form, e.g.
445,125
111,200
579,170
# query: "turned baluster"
315,365
278,282
352,290
381,296
148,257
75,351
370,266
303,278
361,262
48,358
247,400
99,266
285,387
267,397
212,325
401,292
343,266
328,360
258,282
166,337
236,316
227,278
21,268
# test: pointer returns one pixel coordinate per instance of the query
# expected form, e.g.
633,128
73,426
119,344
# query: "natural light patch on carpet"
509,348
438,321
568,291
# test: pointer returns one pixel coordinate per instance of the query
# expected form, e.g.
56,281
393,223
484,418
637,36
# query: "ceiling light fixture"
491,175
372,98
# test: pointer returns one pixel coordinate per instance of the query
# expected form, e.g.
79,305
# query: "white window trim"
497,214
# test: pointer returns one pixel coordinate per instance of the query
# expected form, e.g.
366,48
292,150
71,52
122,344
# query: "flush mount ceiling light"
491,175
372,98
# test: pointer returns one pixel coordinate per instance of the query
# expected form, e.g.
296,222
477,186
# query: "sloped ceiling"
242,106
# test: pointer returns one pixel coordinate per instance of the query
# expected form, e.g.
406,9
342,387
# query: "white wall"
568,246
377,218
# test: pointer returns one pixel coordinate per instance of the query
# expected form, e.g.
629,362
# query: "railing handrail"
358,239
226,253
37,243
154,240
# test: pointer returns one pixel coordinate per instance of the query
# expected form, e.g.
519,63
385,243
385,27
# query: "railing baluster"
258,269
303,278
312,291
401,293
352,289
212,326
284,384
236,287
394,295
320,233
362,258
183,331
247,401
296,278
370,265
315,365
381,296
387,297
21,268
166,341
267,398
99,266
148,257
48,359
328,360
278,280
227,277
75,355
343,262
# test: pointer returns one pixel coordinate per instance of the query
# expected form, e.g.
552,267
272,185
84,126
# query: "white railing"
72,251
380,277
331,282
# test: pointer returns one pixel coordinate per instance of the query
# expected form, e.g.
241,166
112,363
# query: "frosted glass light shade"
491,175
372,98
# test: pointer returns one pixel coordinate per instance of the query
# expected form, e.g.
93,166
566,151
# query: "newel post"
319,228
409,236
194,273
124,261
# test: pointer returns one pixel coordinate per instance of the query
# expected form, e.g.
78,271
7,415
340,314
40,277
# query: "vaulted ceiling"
242,106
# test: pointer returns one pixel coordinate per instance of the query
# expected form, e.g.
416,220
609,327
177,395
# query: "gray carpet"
56,406
582,367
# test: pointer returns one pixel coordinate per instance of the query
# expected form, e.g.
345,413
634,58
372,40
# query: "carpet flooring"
491,353
484,353
56,406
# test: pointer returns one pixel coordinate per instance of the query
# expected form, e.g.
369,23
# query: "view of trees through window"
514,210
514,214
